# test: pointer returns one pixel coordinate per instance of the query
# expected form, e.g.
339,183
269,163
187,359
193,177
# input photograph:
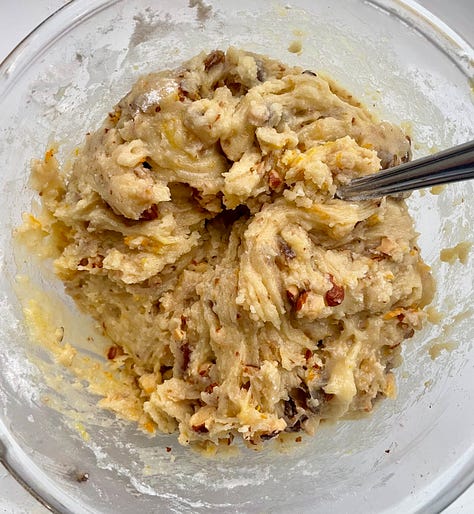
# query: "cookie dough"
199,226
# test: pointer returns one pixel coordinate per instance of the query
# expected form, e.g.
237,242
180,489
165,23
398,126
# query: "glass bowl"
414,454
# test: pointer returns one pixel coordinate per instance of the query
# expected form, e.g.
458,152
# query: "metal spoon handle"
451,165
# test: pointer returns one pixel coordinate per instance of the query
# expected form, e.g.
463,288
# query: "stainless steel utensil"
451,165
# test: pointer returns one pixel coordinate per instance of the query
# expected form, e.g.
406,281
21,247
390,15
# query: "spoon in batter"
451,165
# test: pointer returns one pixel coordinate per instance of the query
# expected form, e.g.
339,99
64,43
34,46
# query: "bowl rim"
73,13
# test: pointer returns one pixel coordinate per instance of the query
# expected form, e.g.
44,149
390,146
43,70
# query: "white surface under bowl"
368,50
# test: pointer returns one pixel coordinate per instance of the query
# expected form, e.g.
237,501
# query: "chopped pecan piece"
186,350
181,94
114,351
150,214
292,294
210,388
335,295
301,300
296,297
96,262
214,58
271,435
200,429
274,180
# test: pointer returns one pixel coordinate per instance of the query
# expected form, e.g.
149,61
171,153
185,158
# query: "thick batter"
199,226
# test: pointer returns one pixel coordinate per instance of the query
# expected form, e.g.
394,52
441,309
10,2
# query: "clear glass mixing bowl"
415,454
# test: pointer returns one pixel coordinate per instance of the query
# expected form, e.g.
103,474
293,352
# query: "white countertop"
17,19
